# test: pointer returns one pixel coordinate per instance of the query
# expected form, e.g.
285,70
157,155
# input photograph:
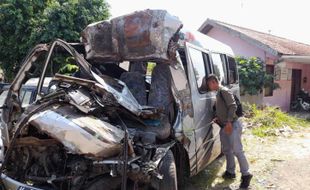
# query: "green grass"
268,120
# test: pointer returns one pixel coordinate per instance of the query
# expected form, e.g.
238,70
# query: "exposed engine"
73,144
45,163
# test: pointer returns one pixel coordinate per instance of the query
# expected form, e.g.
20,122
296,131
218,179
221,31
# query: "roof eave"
205,28
296,58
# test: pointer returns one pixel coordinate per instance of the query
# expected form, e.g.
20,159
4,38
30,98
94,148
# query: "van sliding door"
198,68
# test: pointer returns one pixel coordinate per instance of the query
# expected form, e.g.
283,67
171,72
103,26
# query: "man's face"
213,85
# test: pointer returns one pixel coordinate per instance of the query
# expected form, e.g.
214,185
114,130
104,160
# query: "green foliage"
69,69
150,67
25,23
68,66
268,120
252,76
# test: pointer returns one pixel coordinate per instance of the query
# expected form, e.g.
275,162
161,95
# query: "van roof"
205,42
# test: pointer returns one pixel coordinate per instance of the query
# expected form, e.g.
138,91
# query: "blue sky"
286,18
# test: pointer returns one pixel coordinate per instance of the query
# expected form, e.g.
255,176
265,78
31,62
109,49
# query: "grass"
269,120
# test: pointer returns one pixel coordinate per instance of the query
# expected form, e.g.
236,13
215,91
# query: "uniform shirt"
225,112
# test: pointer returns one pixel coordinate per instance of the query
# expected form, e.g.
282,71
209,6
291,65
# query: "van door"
203,101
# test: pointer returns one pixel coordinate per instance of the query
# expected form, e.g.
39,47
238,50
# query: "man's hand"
228,128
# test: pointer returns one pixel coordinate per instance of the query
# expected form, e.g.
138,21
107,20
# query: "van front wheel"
167,168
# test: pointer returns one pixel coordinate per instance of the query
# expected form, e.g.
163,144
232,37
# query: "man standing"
231,129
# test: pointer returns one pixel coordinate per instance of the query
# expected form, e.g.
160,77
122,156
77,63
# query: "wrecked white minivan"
109,126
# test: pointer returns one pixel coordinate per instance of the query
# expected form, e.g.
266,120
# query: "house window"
232,67
199,68
269,86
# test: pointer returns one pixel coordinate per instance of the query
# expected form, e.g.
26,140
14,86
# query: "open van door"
207,145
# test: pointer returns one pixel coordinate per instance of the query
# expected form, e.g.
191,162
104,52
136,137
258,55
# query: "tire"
295,106
168,169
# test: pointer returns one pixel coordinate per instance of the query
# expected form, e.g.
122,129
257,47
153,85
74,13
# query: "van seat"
136,84
160,95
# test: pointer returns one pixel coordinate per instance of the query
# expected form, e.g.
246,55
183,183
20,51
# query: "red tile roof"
282,46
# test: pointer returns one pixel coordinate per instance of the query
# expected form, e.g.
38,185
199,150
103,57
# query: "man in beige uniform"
231,130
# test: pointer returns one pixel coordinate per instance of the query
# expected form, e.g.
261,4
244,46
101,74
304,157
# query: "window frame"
271,90
224,68
205,56
228,69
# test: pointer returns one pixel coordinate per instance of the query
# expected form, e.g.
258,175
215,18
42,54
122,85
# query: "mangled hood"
142,35
79,133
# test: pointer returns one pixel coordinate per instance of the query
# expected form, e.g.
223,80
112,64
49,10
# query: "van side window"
199,68
232,67
207,63
219,67
183,60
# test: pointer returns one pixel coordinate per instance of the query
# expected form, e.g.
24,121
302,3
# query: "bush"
253,77
25,23
268,121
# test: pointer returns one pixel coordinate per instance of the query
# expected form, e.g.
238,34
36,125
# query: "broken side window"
27,97
63,63
31,81
183,60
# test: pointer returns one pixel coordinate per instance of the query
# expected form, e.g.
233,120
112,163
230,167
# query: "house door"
296,83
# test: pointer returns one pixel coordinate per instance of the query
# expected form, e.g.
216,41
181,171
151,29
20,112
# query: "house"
288,60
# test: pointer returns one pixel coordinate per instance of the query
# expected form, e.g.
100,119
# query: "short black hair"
212,77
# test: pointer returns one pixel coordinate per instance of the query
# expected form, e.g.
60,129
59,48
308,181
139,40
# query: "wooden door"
296,83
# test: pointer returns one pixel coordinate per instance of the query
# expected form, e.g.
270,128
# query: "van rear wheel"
167,168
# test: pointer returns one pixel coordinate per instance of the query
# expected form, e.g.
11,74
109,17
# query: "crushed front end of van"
93,130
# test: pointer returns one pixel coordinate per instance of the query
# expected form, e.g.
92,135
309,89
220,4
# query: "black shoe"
245,181
228,175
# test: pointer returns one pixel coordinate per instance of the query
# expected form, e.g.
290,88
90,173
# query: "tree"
253,77
25,23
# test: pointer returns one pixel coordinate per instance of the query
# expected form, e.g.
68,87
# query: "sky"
285,18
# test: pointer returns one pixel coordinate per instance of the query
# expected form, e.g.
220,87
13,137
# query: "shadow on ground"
277,163
210,178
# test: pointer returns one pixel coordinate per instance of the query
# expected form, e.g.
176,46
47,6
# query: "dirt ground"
281,162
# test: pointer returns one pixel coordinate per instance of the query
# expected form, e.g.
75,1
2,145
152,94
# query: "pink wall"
305,72
239,47
281,97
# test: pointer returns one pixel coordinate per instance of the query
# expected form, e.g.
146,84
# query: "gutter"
296,58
